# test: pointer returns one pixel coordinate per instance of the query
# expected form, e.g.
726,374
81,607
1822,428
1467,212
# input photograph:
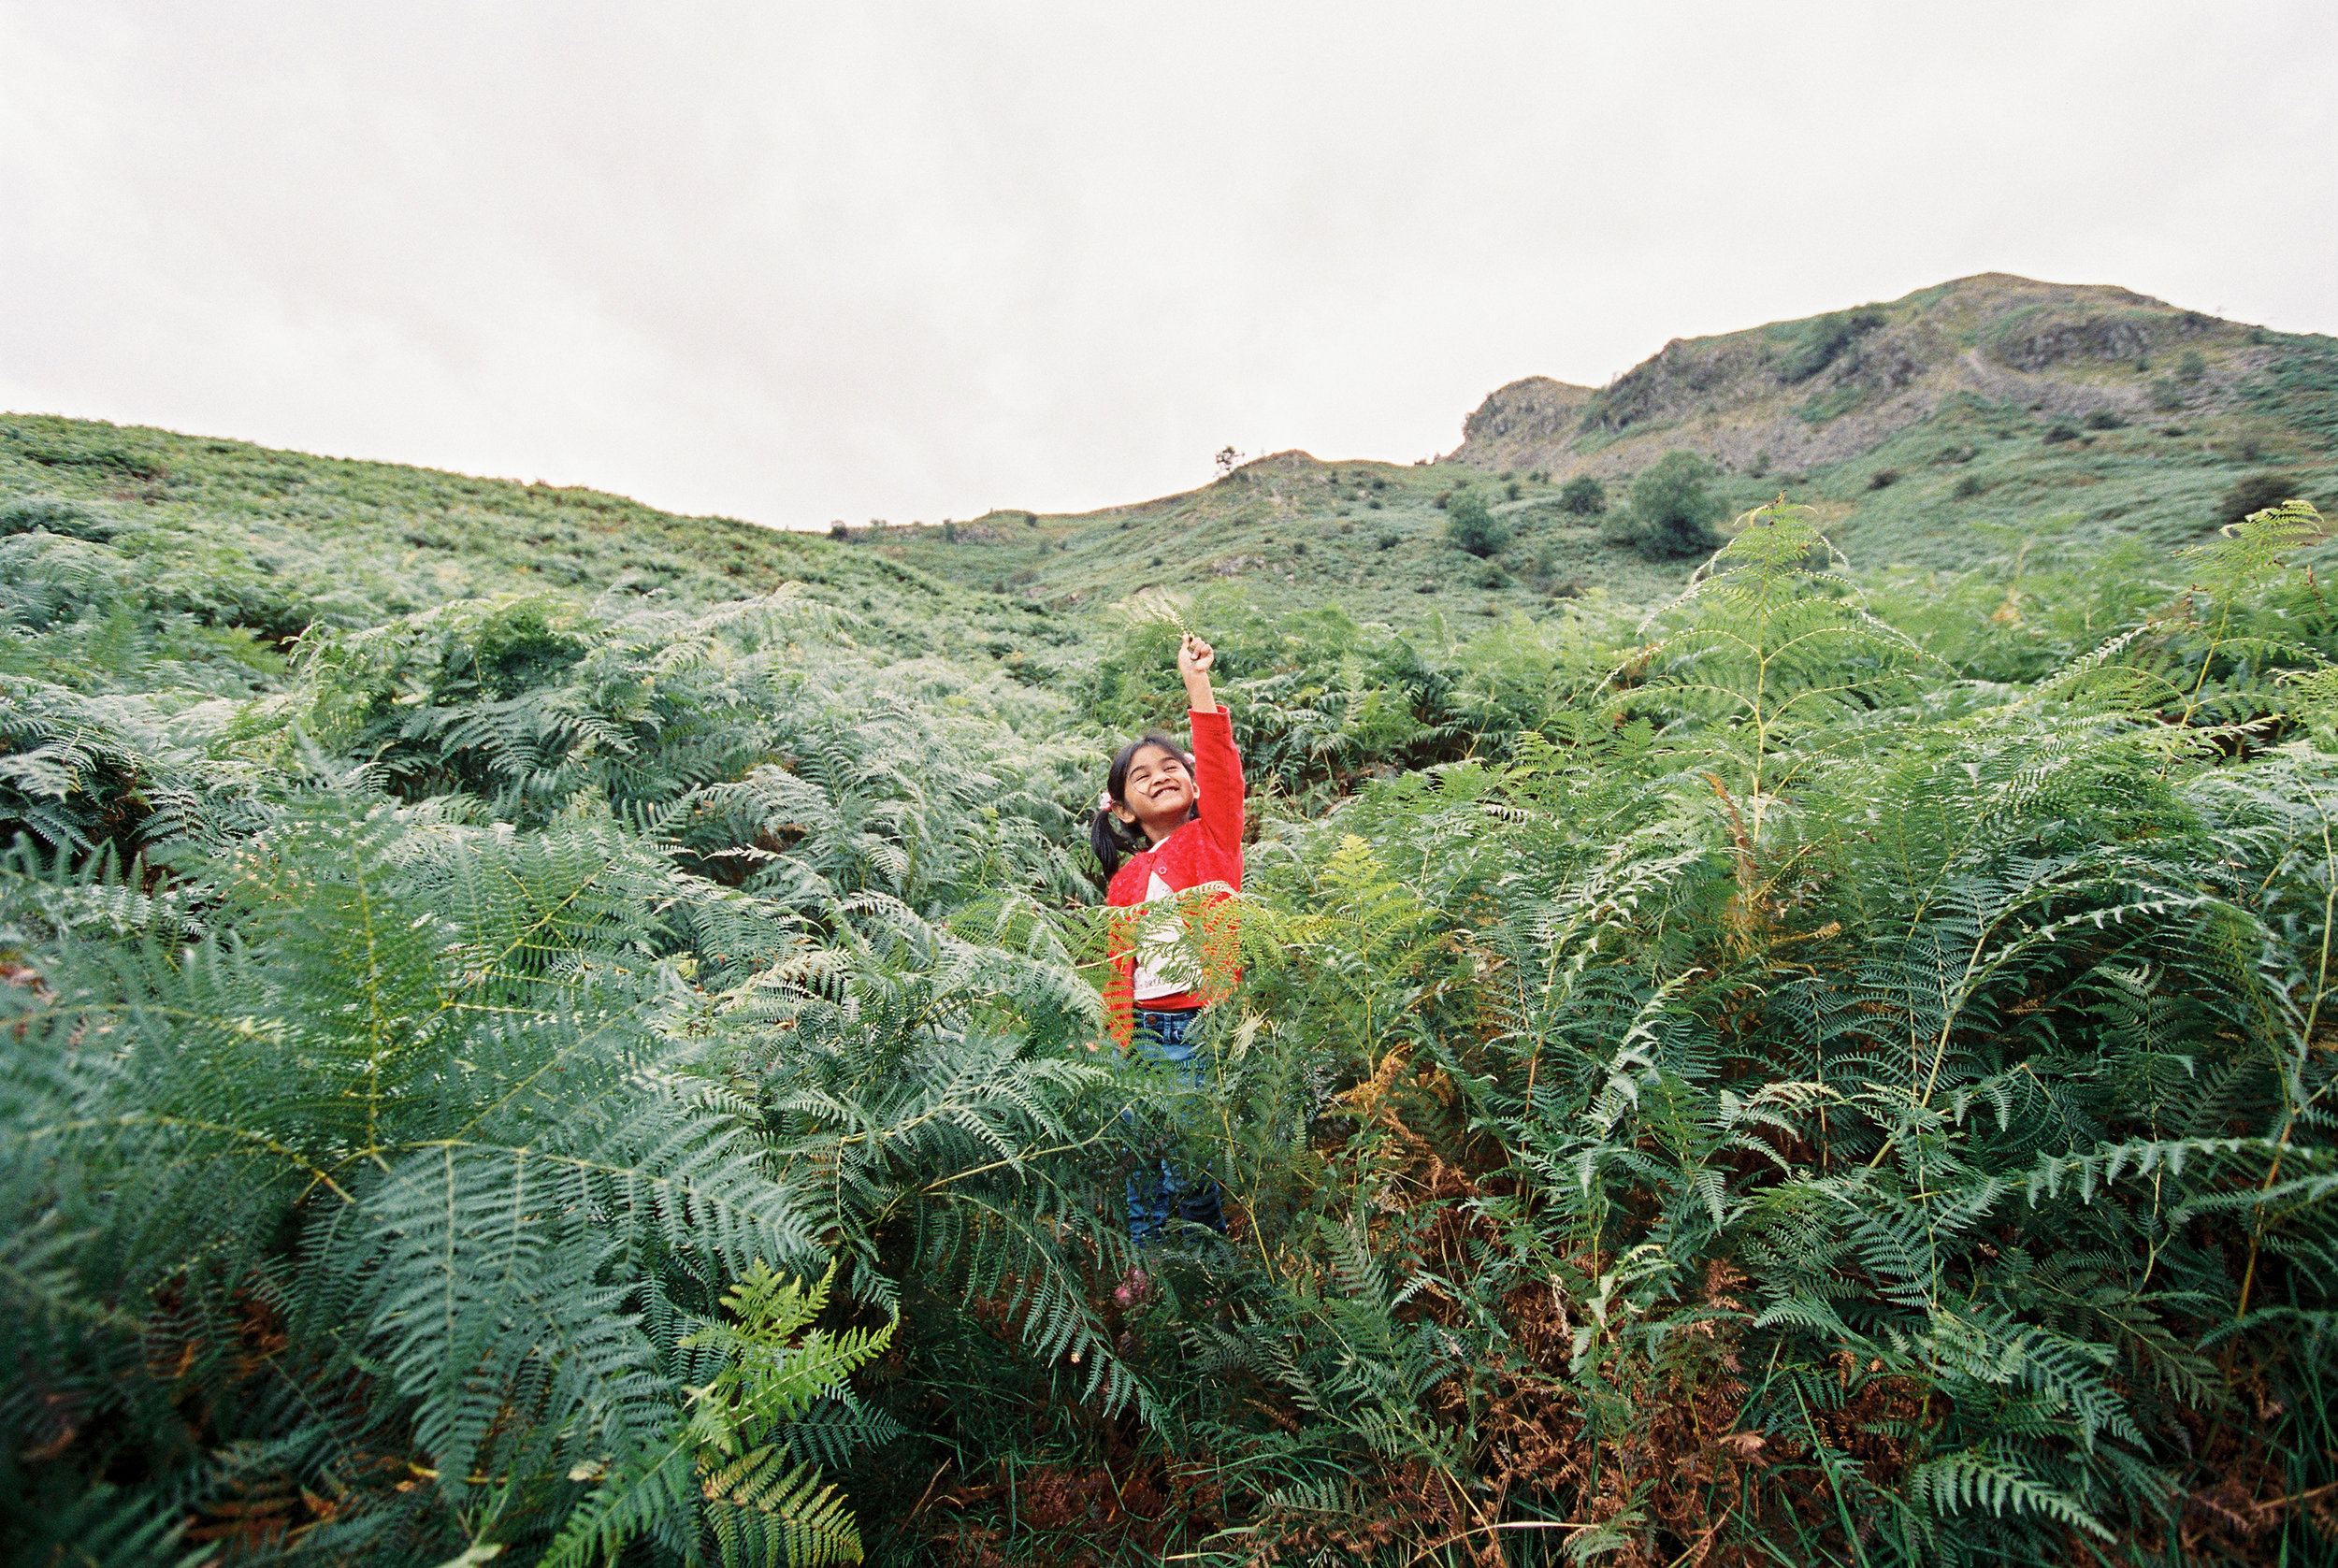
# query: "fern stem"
2290,1111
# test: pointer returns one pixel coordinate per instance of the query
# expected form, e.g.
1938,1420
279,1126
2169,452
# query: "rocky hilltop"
1797,395
1921,432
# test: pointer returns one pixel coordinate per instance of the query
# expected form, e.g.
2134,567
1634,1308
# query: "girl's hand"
1195,658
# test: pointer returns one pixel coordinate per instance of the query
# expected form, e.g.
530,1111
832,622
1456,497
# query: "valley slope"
1923,432
1910,426
262,542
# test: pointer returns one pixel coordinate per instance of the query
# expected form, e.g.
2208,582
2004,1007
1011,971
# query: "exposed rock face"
2036,345
1794,393
1534,413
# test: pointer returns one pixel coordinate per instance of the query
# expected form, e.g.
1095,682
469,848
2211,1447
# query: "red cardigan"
1204,852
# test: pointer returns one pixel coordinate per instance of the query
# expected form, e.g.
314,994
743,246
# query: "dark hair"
1112,842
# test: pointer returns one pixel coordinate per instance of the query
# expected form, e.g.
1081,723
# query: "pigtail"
1112,842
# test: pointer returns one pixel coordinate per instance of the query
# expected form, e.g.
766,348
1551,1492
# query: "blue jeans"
1158,1189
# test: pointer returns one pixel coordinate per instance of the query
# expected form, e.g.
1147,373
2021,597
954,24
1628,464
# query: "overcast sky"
796,263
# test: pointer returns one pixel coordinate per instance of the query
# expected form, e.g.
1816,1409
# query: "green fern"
1839,1067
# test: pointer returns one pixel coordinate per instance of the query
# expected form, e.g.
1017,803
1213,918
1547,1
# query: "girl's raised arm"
1216,767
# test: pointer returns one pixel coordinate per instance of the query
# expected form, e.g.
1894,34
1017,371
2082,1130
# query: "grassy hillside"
536,1031
1990,400
1288,528
1915,428
244,537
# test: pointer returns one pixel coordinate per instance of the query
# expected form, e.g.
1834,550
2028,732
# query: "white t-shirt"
1164,966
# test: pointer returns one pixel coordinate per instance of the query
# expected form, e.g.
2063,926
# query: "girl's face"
1158,789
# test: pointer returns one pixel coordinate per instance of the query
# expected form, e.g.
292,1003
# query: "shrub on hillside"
1470,525
2060,430
1390,539
2166,394
1824,340
2104,418
1672,512
1583,495
1882,479
1967,486
2191,367
2253,494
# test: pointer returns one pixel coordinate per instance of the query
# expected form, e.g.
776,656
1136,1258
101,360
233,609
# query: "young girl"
1169,823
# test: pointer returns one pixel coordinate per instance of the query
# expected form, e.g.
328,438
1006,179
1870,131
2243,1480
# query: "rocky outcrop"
2035,345
1534,415
1826,388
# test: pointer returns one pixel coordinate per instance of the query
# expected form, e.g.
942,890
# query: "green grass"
2300,385
2137,483
265,540
1289,536
277,537
273,539
1282,529
1294,529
